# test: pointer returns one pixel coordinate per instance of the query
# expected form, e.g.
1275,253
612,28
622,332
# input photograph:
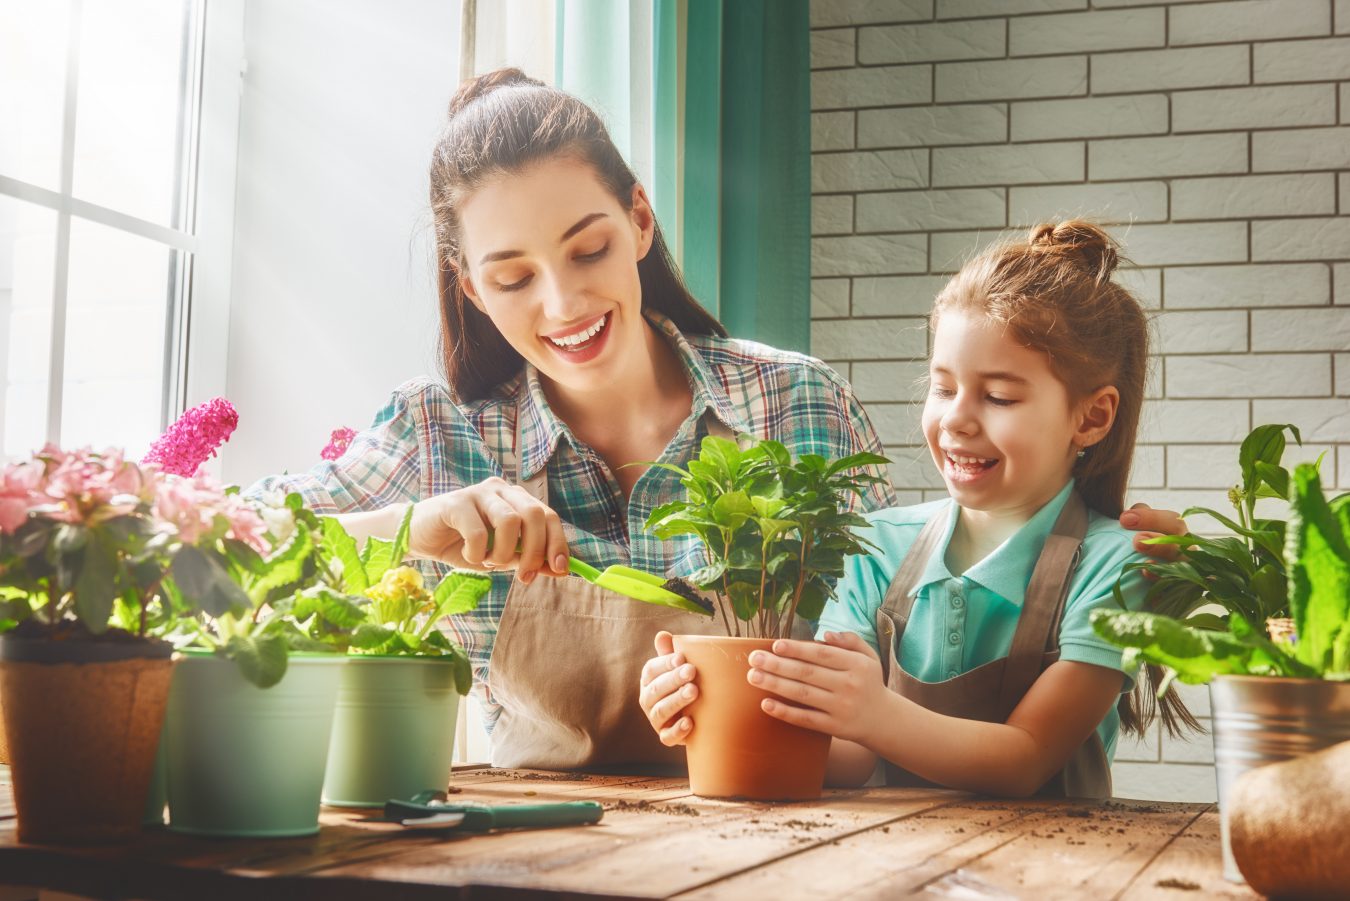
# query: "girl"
571,347
959,652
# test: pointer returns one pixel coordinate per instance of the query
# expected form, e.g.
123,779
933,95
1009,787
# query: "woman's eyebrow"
498,255
581,223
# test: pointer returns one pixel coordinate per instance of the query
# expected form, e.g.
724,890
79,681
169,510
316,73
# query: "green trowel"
641,586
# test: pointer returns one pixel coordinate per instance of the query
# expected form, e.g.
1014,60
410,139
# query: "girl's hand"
493,525
1150,523
838,682
667,687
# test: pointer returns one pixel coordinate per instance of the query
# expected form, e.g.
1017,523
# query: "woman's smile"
581,345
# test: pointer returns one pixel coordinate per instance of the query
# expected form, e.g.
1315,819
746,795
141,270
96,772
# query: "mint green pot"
394,732
249,761
158,796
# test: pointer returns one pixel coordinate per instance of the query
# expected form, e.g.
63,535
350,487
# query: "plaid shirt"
423,444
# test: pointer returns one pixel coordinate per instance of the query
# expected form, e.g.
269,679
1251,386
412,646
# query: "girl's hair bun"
1091,248
484,84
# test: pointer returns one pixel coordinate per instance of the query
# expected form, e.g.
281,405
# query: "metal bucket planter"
1260,720
394,730
249,761
83,720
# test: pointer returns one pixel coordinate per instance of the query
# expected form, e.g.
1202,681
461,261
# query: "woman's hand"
493,525
1150,523
838,683
666,688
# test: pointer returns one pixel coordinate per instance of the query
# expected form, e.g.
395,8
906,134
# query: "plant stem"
801,583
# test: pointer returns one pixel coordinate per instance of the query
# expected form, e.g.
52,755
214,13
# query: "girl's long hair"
501,123
1053,293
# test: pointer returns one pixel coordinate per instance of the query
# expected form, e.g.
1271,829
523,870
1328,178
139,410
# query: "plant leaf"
342,546
1318,562
261,658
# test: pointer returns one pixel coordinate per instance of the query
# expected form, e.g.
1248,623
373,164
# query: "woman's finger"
555,543
505,523
465,519
533,539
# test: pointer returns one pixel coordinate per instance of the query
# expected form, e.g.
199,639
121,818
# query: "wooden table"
658,841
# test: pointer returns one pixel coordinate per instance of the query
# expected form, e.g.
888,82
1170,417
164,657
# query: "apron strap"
1043,604
893,615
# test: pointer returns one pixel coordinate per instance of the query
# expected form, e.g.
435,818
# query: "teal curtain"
730,142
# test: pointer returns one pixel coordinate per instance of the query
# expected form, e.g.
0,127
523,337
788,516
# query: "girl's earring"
1082,452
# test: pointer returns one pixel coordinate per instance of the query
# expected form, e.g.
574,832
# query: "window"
100,105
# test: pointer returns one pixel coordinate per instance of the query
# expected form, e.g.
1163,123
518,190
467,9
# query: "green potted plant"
1275,696
776,533
90,549
398,696
251,709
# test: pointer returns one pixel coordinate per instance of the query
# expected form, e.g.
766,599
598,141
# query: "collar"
1007,570
541,429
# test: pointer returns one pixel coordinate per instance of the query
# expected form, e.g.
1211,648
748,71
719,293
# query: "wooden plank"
657,850
1189,867
1053,851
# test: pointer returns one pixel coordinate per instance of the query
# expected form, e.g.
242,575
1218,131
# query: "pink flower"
85,486
198,508
18,493
194,438
338,443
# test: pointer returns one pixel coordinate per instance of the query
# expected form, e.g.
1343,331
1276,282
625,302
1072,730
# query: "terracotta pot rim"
19,649
734,639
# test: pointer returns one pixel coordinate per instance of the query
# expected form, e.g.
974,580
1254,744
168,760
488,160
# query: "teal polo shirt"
961,622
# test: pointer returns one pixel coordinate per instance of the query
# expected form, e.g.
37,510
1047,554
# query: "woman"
571,349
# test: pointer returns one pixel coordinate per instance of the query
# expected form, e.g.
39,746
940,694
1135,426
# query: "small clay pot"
736,749
83,734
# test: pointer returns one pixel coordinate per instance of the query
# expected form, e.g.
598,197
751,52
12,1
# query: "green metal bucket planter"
249,761
394,731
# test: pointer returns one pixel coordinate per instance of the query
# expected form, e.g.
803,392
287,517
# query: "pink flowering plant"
92,542
194,438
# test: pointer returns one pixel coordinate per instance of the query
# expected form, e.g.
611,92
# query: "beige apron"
566,666
991,691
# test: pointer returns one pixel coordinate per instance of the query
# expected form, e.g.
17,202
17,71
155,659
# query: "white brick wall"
1213,139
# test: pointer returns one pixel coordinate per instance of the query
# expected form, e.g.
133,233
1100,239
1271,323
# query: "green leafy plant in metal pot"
1316,555
776,530
1242,572
369,602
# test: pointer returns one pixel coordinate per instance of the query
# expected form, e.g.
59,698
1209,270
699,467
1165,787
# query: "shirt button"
954,638
952,674
958,602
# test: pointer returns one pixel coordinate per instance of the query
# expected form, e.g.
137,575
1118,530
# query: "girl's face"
1000,426
551,258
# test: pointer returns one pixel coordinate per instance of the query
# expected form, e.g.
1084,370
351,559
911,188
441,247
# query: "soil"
71,630
683,810
1184,884
688,592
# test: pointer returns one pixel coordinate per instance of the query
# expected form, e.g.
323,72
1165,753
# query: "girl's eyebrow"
988,376
498,255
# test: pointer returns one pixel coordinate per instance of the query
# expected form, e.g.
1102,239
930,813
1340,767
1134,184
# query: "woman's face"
551,258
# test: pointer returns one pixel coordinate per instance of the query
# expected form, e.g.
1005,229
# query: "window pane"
27,264
33,39
117,298
131,111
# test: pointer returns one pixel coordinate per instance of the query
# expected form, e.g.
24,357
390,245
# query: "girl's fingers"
677,733
850,641
797,716
811,652
666,709
796,670
665,685
791,689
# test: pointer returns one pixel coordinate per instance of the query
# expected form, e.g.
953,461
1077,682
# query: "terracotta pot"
736,749
83,734
4,743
